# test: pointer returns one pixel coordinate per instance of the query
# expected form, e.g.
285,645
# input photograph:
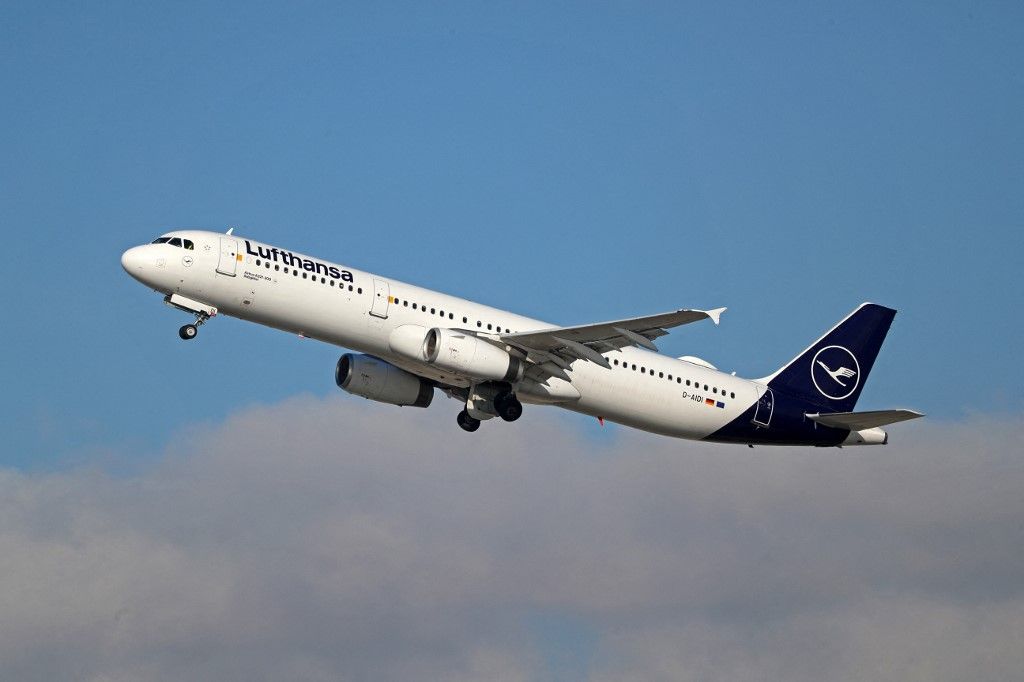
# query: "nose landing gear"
189,331
201,311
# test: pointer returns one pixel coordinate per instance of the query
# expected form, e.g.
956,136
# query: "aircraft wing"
559,346
858,421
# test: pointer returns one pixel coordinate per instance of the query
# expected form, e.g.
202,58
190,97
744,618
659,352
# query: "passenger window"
450,316
465,320
433,311
732,395
643,370
414,308
359,290
175,242
258,262
661,375
488,326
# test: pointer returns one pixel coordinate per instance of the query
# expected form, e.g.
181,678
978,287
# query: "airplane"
410,342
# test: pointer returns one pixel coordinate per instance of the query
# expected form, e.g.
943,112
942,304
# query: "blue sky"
575,163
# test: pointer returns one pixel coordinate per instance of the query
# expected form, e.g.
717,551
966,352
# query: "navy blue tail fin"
833,370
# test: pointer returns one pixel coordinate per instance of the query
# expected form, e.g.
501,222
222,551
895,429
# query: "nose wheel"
190,331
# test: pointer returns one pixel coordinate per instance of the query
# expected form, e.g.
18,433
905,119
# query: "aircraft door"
229,256
765,406
381,298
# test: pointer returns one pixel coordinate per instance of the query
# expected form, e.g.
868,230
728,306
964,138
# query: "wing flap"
858,421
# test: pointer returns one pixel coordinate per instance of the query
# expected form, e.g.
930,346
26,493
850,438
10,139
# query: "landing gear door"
381,298
765,407
229,256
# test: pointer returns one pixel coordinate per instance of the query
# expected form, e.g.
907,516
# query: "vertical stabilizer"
832,371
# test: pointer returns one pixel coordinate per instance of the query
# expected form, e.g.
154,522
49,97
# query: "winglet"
715,314
230,230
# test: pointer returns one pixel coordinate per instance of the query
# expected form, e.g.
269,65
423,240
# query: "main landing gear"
508,406
505,405
189,331
467,423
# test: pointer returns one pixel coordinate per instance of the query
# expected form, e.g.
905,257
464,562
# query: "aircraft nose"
132,260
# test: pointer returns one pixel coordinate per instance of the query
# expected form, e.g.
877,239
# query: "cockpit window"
176,241
161,240
189,246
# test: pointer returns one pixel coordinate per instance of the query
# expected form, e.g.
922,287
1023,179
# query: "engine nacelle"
369,377
468,355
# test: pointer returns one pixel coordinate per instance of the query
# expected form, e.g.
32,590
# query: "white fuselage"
359,310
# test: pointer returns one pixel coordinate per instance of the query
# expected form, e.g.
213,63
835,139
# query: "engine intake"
468,355
372,378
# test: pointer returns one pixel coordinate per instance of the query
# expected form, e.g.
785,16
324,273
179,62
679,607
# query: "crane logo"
835,372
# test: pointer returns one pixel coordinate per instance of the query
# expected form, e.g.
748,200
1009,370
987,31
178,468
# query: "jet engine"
369,377
468,355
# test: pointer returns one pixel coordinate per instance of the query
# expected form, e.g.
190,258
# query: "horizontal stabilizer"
858,421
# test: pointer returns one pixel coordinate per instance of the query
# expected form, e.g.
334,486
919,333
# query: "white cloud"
338,539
